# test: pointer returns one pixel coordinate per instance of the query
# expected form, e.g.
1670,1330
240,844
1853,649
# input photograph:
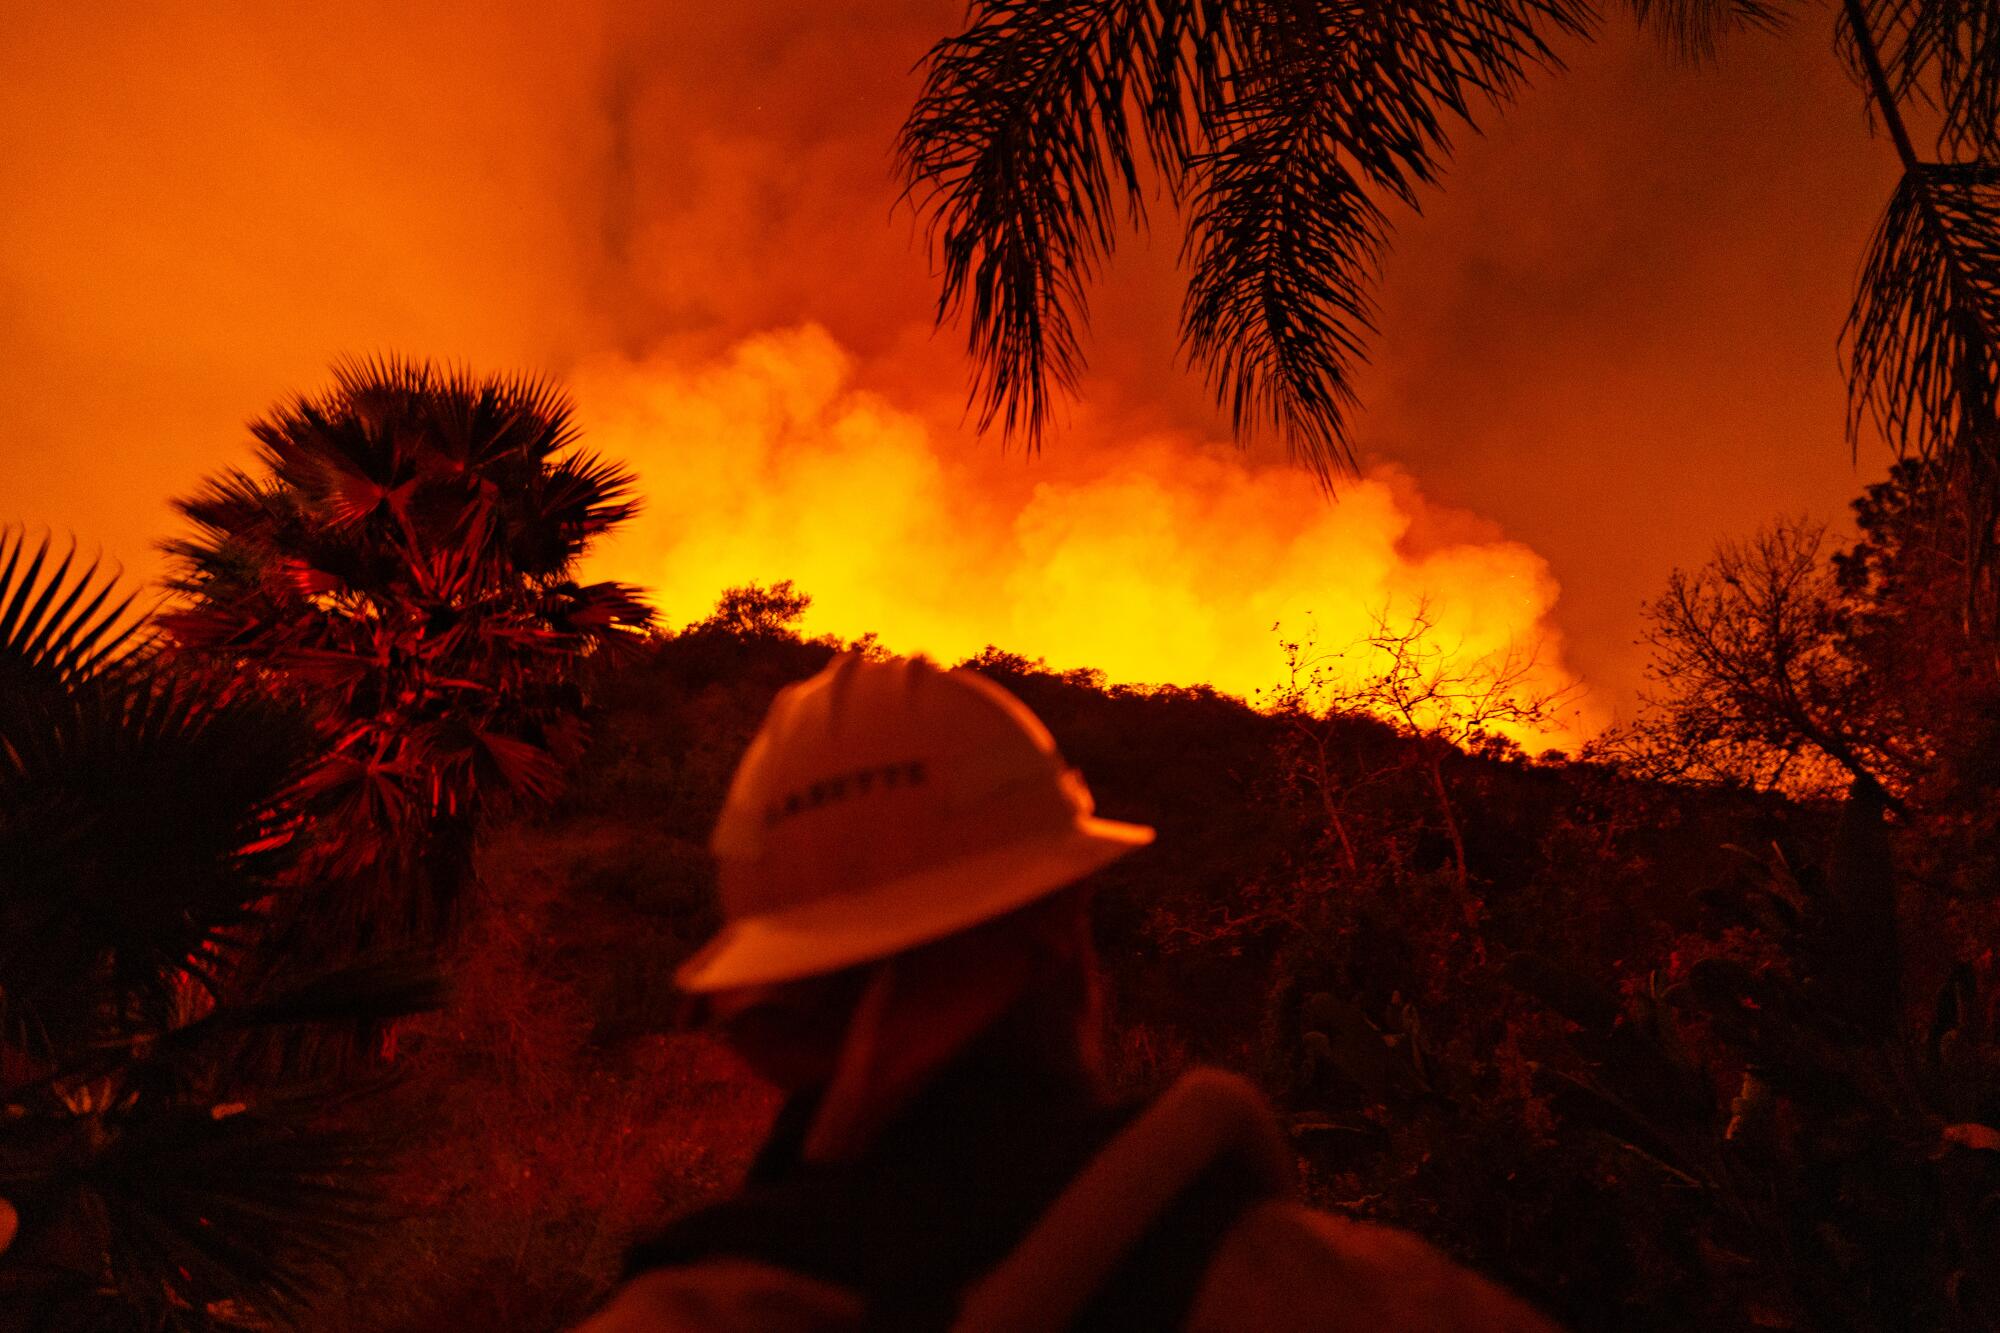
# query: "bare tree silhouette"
1441,696
1756,679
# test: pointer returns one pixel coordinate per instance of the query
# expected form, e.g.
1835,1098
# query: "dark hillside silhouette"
1654,1053
1556,1071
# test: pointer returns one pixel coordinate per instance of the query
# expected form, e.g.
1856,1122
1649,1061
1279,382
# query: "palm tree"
1280,129
1923,339
403,571
154,1181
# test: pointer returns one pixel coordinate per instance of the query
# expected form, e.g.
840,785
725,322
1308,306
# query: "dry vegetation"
1545,1063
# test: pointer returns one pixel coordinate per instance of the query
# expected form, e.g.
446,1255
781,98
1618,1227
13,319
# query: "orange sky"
1609,342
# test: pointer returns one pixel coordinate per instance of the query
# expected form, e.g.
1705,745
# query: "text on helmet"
830,791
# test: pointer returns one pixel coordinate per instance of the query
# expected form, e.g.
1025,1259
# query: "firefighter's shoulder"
1285,1266
727,1295
1279,1265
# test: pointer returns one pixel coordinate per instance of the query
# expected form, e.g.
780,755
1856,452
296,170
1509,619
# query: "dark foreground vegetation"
339,906
1648,1065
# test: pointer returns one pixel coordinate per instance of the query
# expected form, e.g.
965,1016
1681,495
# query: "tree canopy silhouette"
404,571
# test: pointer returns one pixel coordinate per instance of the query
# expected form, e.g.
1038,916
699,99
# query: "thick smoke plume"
1154,561
1612,336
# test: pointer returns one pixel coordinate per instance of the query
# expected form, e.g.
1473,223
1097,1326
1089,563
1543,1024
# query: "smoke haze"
1610,341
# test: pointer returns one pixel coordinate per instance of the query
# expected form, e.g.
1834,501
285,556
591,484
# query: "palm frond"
1694,30
610,618
228,503
1281,255
380,377
587,493
166,1210
139,828
1325,104
57,626
1942,54
1923,338
544,410
1030,145
1022,148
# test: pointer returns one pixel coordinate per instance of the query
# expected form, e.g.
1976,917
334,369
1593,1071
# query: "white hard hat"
885,804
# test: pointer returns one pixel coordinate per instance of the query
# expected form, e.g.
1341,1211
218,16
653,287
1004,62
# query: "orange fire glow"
1159,561
210,202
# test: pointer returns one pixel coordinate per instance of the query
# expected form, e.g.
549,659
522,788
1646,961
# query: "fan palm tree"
1281,129
403,570
152,1179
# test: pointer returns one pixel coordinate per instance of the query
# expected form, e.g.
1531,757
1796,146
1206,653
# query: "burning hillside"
1157,561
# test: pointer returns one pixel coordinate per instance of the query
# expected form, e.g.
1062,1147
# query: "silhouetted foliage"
754,611
1942,54
1852,1180
1659,1055
403,571
1783,664
1696,29
1278,128
1907,578
1440,697
1282,132
156,1182
1756,678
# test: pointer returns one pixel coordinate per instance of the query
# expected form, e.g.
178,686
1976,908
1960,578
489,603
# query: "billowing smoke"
1612,337
1158,560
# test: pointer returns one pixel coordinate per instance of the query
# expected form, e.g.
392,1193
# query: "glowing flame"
1159,561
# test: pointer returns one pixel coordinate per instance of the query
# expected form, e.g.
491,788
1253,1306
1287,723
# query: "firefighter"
907,955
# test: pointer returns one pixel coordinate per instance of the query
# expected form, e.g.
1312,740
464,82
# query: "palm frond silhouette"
1282,132
1275,127
1925,329
403,569
159,1180
1696,29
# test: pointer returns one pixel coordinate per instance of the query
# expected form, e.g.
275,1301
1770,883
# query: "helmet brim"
826,936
